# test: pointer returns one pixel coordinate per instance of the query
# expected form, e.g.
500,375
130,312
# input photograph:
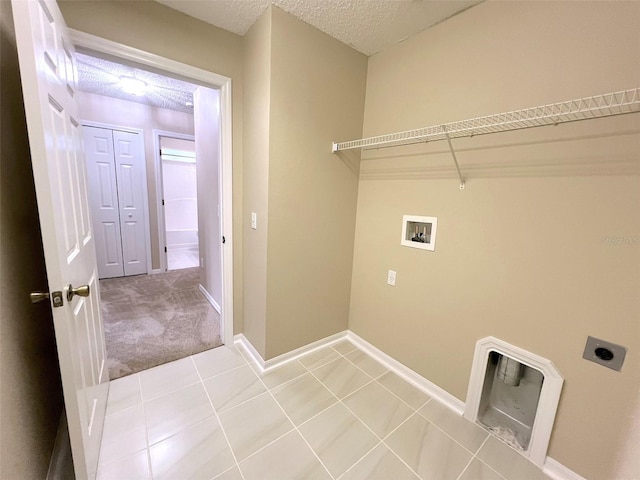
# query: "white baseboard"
266,366
409,375
552,468
154,271
248,347
211,300
557,471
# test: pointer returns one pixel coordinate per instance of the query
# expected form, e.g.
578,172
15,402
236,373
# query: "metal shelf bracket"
453,154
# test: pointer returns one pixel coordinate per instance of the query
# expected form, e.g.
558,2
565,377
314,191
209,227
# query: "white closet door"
98,143
130,174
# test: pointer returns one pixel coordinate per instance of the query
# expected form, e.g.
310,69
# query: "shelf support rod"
453,154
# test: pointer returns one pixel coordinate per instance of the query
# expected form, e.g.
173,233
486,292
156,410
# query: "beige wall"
206,123
524,252
257,69
30,388
317,96
154,28
98,108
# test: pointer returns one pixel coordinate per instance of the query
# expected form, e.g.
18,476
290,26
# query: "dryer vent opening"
514,394
510,399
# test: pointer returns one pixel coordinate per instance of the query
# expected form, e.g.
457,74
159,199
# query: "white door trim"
162,232
97,44
145,189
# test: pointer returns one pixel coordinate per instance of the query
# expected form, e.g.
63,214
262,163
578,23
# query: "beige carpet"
154,319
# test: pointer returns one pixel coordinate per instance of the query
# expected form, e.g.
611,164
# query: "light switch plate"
391,278
604,353
254,220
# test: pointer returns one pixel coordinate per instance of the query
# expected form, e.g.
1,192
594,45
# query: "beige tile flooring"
333,414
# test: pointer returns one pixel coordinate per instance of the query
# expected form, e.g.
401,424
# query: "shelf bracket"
453,154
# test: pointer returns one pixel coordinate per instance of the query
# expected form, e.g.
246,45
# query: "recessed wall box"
419,232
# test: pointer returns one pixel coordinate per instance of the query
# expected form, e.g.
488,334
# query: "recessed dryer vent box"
419,232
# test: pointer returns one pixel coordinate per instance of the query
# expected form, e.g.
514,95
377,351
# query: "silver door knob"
82,291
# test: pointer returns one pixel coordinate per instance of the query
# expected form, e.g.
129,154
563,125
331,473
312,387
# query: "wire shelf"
605,105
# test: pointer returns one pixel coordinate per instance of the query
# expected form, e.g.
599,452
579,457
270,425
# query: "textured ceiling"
96,75
369,26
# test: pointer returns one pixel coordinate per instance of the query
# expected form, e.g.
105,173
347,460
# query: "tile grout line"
360,459
416,411
235,459
295,427
393,451
381,440
286,381
352,413
448,435
485,463
146,429
471,459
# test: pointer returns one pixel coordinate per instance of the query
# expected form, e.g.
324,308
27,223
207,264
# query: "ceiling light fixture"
132,85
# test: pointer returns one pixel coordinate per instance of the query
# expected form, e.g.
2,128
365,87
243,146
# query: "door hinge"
165,249
163,202
223,239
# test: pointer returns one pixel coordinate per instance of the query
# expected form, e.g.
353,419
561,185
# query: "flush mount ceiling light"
132,85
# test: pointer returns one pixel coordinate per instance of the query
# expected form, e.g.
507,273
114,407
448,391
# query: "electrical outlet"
604,353
254,220
391,278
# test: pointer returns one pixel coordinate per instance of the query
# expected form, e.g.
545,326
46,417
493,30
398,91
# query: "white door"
49,79
115,162
101,173
130,173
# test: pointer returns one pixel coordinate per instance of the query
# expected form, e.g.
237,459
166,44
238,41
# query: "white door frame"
162,232
213,80
145,192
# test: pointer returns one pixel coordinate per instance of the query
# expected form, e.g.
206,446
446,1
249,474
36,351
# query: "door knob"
38,296
82,291
56,297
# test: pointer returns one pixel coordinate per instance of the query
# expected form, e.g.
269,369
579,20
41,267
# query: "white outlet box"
254,220
391,278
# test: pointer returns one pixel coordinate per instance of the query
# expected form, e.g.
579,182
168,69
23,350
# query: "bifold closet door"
127,148
115,160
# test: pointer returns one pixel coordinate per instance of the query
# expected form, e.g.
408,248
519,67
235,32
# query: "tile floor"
334,414
179,258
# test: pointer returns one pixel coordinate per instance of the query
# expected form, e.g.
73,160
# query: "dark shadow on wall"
30,388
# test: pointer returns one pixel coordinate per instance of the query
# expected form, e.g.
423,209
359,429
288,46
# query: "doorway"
179,199
222,86
170,316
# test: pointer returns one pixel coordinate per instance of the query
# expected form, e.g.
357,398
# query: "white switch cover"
254,220
391,278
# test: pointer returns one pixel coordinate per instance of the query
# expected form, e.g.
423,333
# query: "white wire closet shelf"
597,106
605,105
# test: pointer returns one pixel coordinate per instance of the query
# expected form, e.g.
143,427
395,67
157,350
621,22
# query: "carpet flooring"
154,319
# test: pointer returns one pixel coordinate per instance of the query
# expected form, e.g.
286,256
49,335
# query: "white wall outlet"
254,220
391,278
